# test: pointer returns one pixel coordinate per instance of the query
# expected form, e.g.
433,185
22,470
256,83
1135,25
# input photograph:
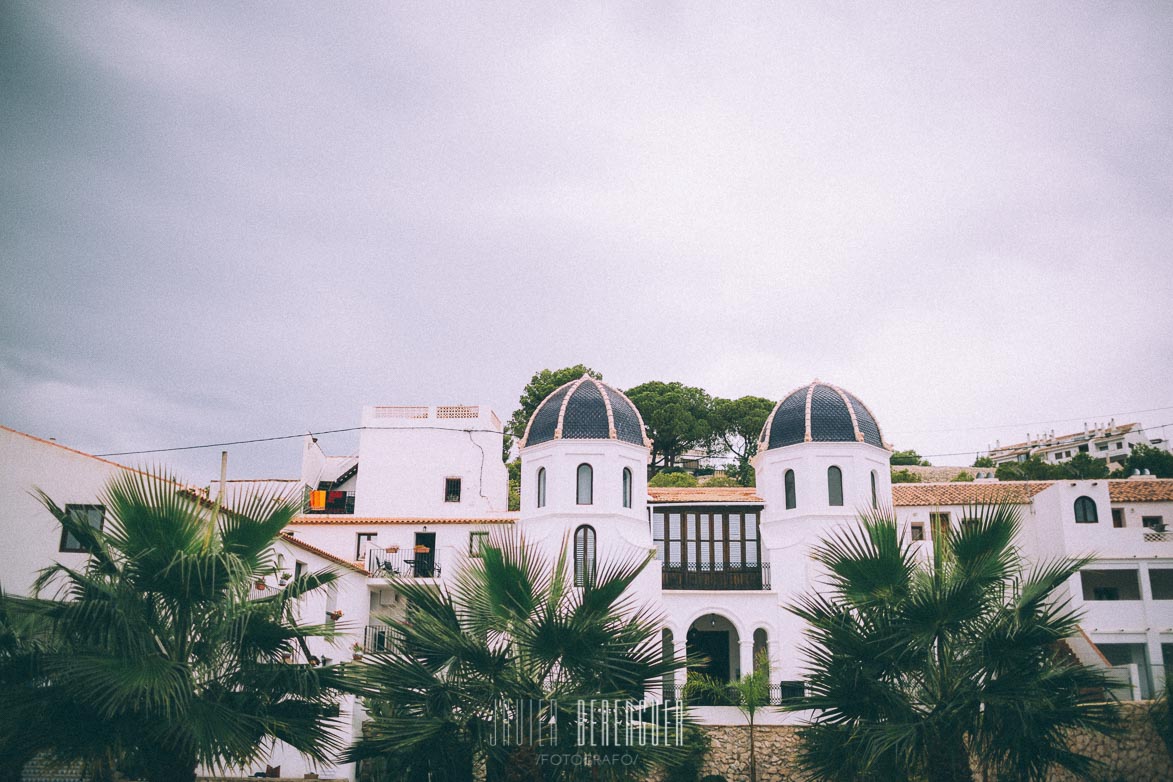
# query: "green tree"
511,627
540,386
983,461
738,423
963,477
678,417
514,471
905,476
1032,468
920,669
1143,457
152,657
672,479
750,694
717,481
909,457
1082,466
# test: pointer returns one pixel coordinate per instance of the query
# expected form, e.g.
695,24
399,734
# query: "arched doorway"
713,643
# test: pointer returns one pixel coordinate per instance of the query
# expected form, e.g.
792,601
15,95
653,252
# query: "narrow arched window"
586,485
584,556
1085,511
875,494
626,487
541,487
834,486
791,498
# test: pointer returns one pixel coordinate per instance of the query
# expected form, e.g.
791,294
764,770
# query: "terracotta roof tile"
343,519
289,538
703,494
1158,490
905,494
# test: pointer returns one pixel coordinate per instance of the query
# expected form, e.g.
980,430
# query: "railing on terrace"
327,501
780,694
380,638
715,575
408,563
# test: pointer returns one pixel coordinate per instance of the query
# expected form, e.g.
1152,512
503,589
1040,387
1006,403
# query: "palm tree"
512,632
750,694
921,669
152,657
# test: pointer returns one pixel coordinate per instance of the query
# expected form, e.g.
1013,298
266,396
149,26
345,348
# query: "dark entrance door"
425,561
714,646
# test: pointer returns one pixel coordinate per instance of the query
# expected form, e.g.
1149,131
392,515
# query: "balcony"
328,501
418,562
380,638
715,575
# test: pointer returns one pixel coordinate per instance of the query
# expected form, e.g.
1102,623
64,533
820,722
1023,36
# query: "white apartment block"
1110,441
427,488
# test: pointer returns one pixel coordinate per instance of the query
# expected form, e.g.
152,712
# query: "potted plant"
422,549
283,578
358,650
392,549
260,584
334,616
287,657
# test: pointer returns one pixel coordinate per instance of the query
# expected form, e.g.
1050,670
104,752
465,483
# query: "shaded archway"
713,648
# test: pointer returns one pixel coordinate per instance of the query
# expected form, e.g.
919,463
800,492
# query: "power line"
285,437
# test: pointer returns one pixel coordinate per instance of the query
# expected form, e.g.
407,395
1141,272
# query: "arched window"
834,486
626,487
1085,511
584,556
586,485
761,654
875,494
541,487
791,499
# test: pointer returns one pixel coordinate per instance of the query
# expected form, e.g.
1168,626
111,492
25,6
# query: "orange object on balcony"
317,500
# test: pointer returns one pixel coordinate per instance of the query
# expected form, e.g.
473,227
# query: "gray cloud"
224,222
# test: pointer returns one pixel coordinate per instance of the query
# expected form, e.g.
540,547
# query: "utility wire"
494,431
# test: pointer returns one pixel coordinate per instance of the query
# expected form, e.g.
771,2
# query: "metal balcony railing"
408,563
380,638
715,575
327,501
780,694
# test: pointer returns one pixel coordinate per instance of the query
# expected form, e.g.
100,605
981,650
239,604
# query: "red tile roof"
289,538
905,494
1157,490
343,519
704,495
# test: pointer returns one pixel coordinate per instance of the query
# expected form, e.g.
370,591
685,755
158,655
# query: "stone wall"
1137,755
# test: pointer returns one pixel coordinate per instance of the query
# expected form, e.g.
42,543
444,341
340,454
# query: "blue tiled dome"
585,409
820,412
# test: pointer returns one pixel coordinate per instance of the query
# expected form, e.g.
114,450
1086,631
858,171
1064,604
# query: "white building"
427,487
1110,441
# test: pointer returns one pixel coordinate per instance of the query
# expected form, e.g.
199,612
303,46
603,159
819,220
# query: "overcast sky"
223,222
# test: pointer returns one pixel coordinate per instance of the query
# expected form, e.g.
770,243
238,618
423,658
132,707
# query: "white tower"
584,462
821,461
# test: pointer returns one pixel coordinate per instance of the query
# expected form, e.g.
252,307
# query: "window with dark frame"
585,492
834,486
451,490
1153,522
708,539
916,531
1085,511
299,569
875,494
1118,518
627,487
94,514
364,540
791,494
477,541
584,556
541,487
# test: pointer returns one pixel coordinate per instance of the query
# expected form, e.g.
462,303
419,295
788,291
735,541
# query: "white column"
680,645
746,656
